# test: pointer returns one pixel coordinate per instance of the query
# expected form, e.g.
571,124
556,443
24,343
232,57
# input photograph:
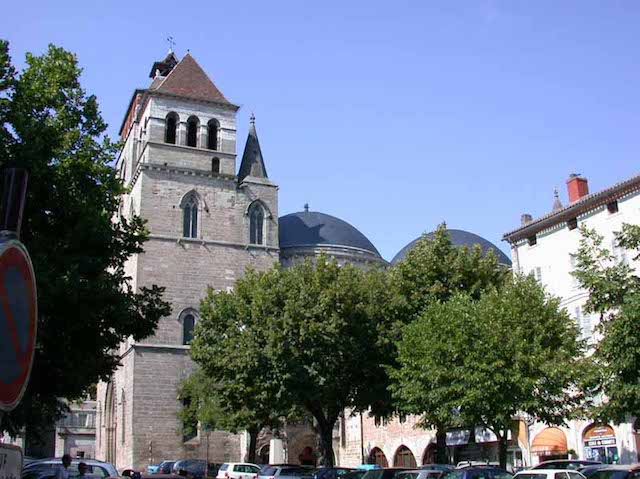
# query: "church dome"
459,238
310,229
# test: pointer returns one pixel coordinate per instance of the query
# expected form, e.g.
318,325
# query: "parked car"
153,468
166,467
617,472
195,468
51,474
330,472
355,474
478,472
420,474
94,467
573,464
384,473
549,474
238,470
587,471
288,471
438,467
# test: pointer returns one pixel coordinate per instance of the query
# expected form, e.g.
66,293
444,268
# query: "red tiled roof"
189,79
584,204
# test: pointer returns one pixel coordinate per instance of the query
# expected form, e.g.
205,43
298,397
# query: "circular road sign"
18,322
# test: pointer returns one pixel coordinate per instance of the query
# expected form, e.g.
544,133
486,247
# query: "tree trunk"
253,443
502,449
325,436
441,446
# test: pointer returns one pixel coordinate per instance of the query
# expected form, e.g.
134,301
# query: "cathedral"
209,219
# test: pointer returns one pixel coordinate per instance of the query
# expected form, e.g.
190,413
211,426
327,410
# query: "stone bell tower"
207,222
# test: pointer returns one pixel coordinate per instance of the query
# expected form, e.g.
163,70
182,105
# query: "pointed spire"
557,204
252,162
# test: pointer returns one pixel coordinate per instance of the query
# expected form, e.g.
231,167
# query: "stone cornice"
203,242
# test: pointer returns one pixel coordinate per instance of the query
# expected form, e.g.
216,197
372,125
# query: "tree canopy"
614,294
86,304
297,339
433,271
483,361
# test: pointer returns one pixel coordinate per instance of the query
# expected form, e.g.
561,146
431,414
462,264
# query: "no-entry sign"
18,322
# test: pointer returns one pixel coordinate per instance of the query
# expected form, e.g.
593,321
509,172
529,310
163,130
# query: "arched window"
171,125
256,224
190,217
215,165
404,458
213,126
188,319
192,131
188,324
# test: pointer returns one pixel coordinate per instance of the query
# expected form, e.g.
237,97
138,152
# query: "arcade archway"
376,456
404,458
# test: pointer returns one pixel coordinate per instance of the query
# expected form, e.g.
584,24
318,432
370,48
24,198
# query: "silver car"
286,471
35,469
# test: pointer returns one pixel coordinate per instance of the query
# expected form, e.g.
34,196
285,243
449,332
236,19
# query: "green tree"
214,409
485,361
86,303
614,293
433,271
305,338
237,387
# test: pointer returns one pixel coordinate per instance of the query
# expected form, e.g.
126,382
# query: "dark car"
478,472
617,472
385,473
330,472
572,464
195,468
587,471
438,467
166,467
355,474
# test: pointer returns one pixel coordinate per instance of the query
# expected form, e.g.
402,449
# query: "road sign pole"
12,201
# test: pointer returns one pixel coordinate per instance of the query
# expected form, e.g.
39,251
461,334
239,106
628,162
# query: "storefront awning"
550,441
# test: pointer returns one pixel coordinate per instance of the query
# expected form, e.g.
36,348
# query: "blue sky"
394,116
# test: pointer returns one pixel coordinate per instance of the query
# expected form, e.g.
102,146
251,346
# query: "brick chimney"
577,187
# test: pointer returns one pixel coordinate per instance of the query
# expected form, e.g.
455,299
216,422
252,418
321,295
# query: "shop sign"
484,434
600,442
458,437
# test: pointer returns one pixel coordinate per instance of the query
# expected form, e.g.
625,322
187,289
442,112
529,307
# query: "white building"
544,247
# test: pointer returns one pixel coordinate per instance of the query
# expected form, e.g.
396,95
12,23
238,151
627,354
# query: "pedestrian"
63,470
82,469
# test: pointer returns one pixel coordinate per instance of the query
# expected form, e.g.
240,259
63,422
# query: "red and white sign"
18,322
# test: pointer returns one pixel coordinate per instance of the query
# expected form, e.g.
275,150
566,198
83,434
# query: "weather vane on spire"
171,42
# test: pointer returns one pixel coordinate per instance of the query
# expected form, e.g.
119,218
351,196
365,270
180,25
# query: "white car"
549,474
238,470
